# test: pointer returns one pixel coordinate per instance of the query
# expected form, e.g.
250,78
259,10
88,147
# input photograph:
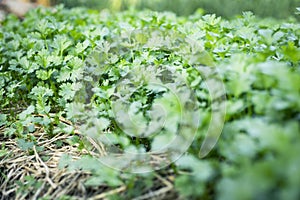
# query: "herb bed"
72,81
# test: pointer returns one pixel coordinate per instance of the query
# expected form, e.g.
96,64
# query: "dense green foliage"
50,61
225,8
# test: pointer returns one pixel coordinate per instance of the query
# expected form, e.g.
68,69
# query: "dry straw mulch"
35,174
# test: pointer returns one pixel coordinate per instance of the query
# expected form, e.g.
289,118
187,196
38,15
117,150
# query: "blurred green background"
227,8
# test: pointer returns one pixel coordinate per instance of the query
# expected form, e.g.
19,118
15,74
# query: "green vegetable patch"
148,105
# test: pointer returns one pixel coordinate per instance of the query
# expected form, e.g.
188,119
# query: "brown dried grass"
54,182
